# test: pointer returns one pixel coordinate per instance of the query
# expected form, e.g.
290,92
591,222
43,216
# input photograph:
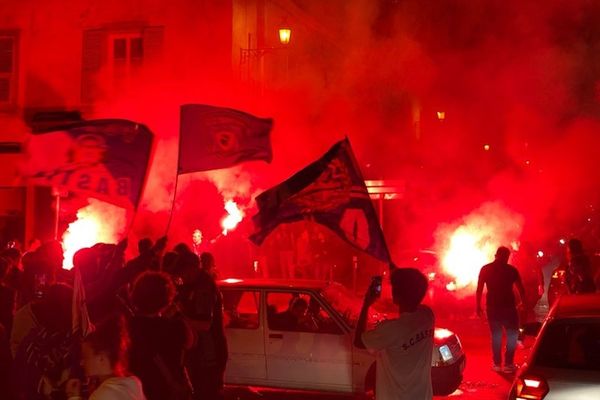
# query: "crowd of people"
151,328
156,330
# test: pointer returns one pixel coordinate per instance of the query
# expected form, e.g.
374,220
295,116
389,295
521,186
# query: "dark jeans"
206,366
507,319
206,376
207,382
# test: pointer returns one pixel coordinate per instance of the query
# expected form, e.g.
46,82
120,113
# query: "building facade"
86,58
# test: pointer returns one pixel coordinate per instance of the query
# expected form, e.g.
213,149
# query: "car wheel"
445,380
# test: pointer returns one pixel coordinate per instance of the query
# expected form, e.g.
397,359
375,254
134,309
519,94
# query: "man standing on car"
500,277
403,346
198,243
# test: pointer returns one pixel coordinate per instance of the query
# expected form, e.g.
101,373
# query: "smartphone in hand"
376,283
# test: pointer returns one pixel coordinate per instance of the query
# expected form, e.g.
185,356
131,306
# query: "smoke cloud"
98,222
519,78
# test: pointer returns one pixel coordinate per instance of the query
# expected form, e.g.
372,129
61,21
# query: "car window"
570,344
240,308
347,305
299,312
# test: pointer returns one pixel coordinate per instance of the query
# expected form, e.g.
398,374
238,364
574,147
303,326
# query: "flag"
105,159
330,191
216,137
81,322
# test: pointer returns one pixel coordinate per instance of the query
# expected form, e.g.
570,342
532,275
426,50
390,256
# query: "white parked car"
564,362
268,349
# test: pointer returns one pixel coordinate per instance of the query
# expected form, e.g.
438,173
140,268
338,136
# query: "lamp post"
257,53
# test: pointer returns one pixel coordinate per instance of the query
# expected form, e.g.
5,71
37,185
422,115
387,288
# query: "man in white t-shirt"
403,346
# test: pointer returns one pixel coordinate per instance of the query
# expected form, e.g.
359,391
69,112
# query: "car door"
315,354
245,336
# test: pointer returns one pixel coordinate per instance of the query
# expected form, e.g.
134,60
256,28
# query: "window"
127,50
125,57
240,309
571,344
113,57
299,312
8,68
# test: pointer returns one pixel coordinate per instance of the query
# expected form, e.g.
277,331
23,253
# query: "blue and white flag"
105,159
330,191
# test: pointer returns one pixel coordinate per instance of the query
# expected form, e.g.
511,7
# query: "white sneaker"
496,368
510,369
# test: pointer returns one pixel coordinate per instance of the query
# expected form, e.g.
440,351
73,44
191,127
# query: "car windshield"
348,305
571,344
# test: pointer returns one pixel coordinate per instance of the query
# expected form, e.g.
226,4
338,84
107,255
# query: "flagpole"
134,210
380,219
173,202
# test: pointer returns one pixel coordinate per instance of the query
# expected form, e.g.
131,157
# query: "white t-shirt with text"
119,388
403,348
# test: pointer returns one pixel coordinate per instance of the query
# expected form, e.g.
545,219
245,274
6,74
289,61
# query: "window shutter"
153,42
7,53
93,58
8,69
4,90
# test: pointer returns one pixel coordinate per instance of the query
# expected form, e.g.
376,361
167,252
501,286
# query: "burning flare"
468,251
235,215
98,222
467,246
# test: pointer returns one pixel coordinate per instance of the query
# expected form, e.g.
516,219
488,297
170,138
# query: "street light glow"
285,34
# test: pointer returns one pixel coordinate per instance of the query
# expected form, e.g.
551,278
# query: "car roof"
274,283
416,252
580,305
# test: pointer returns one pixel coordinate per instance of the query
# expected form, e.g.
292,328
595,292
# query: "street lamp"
248,54
285,34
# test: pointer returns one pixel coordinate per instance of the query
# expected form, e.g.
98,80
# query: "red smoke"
517,76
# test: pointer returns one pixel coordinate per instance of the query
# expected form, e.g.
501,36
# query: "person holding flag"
331,191
213,137
105,159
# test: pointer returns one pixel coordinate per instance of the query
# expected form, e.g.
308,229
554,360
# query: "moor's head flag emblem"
216,137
